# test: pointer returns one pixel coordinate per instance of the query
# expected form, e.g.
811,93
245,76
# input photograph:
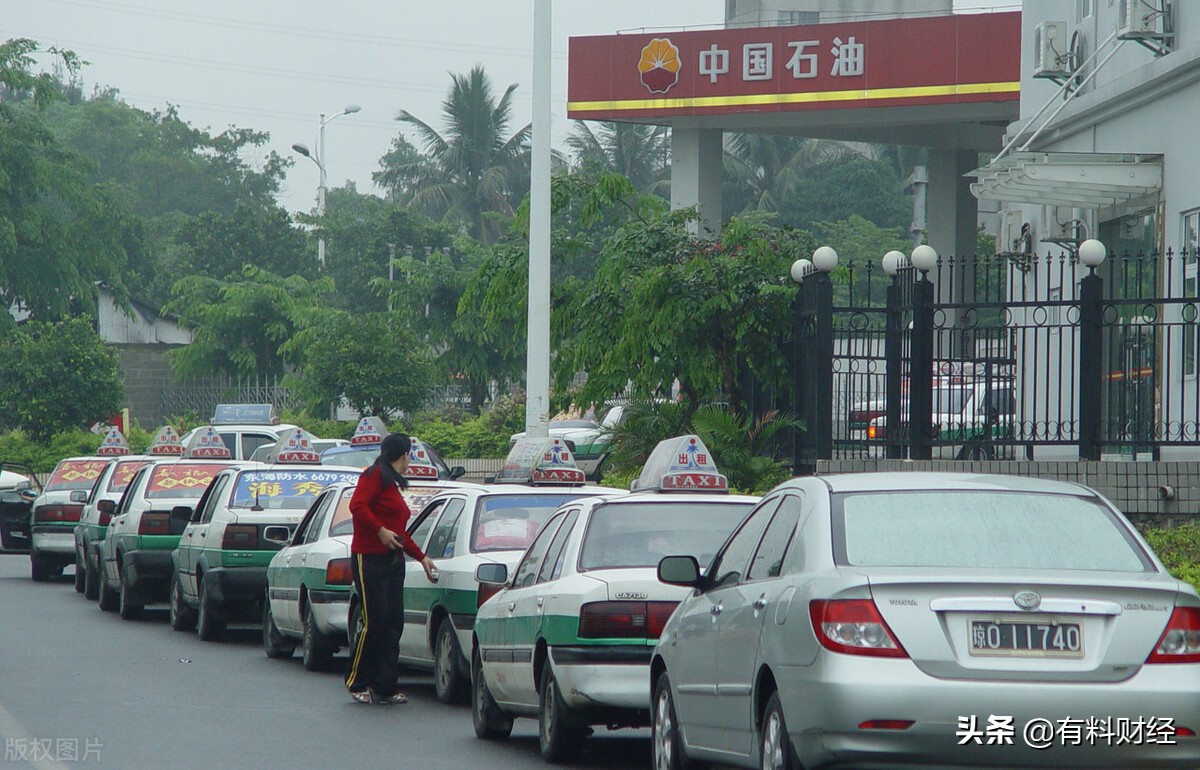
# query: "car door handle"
761,602
512,606
540,601
715,609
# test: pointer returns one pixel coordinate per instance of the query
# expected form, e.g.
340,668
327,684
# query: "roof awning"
1079,180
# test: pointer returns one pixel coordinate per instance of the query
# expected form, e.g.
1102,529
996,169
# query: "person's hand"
431,571
388,538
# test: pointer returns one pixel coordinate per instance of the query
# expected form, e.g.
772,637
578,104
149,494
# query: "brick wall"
1136,488
146,373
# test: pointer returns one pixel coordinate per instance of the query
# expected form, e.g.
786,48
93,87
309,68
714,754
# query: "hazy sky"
275,65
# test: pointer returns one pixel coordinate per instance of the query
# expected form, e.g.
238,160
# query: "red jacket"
375,505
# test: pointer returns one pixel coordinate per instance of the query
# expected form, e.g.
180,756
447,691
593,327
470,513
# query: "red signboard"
895,62
76,474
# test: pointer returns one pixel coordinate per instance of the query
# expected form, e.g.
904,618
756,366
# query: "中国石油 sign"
895,62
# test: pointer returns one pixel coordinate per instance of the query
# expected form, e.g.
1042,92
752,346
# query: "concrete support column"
952,210
696,156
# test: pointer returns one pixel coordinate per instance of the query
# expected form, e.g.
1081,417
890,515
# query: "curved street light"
319,159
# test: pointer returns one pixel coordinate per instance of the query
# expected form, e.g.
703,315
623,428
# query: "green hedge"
1179,549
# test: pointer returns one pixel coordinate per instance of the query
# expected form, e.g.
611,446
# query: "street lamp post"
319,159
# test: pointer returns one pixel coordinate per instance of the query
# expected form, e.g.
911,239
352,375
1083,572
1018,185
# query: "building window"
1191,242
799,17
1085,8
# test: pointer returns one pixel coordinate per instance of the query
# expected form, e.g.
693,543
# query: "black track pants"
374,659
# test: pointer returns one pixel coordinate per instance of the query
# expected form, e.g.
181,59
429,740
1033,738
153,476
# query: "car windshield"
292,489
639,534
123,473
509,522
982,530
184,480
72,475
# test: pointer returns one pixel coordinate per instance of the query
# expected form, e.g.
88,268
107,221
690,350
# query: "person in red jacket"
380,515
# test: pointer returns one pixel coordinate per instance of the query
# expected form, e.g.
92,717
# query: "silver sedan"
929,620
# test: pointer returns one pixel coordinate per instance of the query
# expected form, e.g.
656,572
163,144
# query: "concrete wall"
1133,487
146,373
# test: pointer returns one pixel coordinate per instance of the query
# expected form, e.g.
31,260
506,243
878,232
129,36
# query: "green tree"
220,245
472,172
56,376
763,171
241,324
637,152
378,365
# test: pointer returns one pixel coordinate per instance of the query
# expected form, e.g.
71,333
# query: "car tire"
91,585
209,624
127,608
491,724
560,736
775,750
109,599
665,737
318,651
41,567
448,681
79,572
183,617
275,644
354,626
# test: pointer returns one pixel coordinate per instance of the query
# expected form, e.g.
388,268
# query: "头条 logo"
659,65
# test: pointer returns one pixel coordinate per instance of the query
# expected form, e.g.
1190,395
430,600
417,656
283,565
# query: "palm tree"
637,152
471,172
762,170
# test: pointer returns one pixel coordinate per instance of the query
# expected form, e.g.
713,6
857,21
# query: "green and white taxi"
135,554
99,508
56,512
245,517
245,427
309,580
569,636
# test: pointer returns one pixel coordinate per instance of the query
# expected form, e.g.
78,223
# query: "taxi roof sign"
540,462
420,464
113,444
296,446
206,444
166,442
249,414
370,432
681,464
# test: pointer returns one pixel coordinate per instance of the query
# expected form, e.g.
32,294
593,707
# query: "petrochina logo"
659,65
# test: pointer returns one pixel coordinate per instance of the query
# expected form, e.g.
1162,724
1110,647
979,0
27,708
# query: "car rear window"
509,522
342,523
982,530
72,475
629,534
181,480
123,474
290,489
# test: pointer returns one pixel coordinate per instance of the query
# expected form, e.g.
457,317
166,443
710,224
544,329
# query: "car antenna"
257,506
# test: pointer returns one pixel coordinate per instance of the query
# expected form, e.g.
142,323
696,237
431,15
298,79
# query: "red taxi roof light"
681,464
853,627
166,442
113,444
541,462
206,443
1180,640
369,432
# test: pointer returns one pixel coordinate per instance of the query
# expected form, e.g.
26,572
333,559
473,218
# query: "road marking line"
14,732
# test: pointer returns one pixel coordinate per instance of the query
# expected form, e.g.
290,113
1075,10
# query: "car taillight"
1180,642
338,572
486,591
155,523
875,431
239,537
624,620
853,627
58,513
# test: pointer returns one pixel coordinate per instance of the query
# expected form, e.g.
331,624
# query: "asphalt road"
80,687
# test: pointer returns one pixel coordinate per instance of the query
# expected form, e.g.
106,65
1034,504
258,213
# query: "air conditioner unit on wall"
1060,226
1144,20
1051,50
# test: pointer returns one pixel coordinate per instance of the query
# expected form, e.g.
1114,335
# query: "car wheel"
354,626
79,572
275,644
490,722
666,740
775,747
448,680
91,585
209,624
109,599
318,652
40,567
560,736
128,608
183,617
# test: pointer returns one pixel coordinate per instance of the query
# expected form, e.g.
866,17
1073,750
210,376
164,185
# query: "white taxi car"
135,554
570,636
309,580
100,505
245,427
57,510
463,528
930,620
245,517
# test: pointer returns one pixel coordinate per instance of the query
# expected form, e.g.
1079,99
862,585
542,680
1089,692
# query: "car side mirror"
679,571
492,574
79,496
180,516
278,534
28,495
106,506
457,472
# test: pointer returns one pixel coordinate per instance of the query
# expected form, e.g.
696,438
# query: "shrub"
1179,550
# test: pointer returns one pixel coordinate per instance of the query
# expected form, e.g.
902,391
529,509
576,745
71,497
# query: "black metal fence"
998,356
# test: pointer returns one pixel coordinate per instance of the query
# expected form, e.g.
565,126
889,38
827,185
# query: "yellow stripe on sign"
805,97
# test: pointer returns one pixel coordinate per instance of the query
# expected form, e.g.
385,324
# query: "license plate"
1025,639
